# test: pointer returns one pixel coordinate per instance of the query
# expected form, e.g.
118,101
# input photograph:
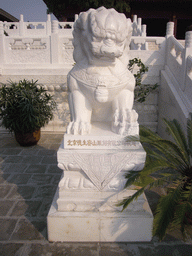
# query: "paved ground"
28,181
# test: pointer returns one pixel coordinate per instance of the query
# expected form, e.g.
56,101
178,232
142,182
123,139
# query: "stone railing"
178,63
50,42
43,51
36,29
176,79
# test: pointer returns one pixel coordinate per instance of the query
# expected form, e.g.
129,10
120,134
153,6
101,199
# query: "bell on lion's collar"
101,94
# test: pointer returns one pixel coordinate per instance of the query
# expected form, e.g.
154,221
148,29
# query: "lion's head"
101,35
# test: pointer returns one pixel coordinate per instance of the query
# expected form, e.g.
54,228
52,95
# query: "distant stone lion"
100,86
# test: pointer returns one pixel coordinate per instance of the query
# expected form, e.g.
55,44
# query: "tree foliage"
61,8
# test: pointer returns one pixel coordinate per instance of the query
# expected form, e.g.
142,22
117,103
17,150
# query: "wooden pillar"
175,24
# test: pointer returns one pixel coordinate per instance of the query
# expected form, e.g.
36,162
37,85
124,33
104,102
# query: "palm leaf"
125,202
180,216
165,211
164,146
189,134
171,156
131,177
175,130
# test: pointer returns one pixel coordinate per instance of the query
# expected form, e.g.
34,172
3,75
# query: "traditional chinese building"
5,16
154,13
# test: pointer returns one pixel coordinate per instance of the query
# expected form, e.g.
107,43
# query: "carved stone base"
84,207
90,215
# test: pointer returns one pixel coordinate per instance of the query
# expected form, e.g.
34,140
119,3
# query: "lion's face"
104,35
108,47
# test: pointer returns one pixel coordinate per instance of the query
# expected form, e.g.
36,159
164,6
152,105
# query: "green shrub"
25,106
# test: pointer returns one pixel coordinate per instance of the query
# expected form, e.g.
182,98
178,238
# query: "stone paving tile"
13,159
21,192
167,250
49,160
32,159
56,179
60,249
41,179
10,144
7,227
26,230
12,151
44,209
45,191
5,190
120,249
54,169
14,168
46,152
26,208
4,178
11,249
36,168
1,151
29,151
5,206
19,178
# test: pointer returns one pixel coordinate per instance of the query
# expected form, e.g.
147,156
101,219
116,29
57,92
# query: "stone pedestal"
84,207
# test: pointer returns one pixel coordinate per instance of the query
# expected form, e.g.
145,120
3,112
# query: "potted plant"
25,107
168,165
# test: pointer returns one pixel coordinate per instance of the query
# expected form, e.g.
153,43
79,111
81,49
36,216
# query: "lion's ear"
82,21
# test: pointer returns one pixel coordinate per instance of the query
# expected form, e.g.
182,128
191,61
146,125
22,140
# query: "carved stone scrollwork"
27,44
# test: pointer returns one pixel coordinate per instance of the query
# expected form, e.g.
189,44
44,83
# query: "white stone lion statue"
101,88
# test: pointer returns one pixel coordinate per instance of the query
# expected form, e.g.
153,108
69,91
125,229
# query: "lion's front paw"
123,121
81,128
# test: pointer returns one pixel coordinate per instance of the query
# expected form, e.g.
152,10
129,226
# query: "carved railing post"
139,27
144,30
134,33
2,50
169,33
48,25
21,26
187,52
54,27
54,42
170,29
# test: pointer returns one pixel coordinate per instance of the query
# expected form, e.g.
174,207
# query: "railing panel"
27,50
11,28
188,79
175,55
35,29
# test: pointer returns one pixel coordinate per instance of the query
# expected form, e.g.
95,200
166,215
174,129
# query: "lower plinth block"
103,225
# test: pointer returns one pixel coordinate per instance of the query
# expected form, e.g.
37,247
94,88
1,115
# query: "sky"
32,10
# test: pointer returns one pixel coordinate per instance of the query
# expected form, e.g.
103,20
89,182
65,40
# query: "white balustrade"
50,42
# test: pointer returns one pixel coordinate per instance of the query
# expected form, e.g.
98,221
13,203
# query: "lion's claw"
76,128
